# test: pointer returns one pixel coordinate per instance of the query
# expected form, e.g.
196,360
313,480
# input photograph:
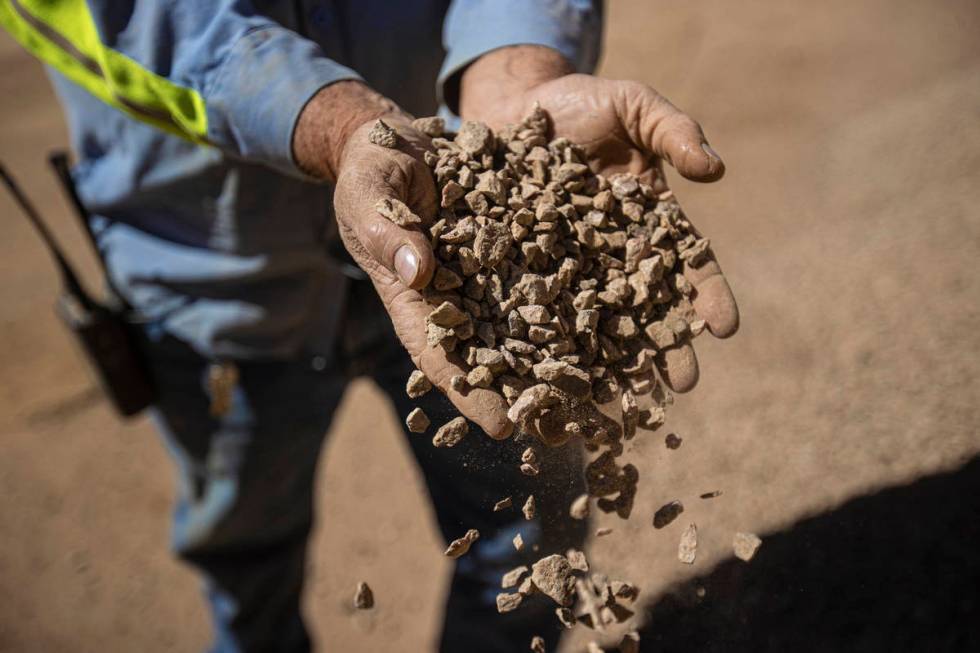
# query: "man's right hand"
399,260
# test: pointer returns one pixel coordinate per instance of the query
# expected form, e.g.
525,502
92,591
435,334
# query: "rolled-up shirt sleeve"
263,84
475,27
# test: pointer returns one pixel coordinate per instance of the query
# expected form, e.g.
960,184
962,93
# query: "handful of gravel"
556,286
560,289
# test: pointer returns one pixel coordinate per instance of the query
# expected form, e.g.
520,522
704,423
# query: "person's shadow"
898,570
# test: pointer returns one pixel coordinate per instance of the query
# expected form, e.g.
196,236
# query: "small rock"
711,495
460,546
529,508
418,384
577,560
432,126
383,135
450,433
398,212
580,507
687,550
537,644
417,421
673,441
552,575
513,577
447,315
602,532
518,542
745,545
503,504
508,602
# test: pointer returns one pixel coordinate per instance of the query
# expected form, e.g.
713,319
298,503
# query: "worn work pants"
245,504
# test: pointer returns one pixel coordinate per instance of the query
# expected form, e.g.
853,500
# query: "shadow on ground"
898,570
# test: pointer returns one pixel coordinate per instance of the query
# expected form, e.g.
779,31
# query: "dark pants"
245,501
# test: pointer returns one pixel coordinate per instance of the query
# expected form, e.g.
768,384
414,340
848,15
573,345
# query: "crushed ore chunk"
363,597
383,135
518,542
450,433
474,137
507,602
580,507
417,421
432,126
687,549
711,495
745,545
552,575
529,508
537,644
398,212
460,546
503,504
667,513
602,532
418,384
673,441
577,560
513,577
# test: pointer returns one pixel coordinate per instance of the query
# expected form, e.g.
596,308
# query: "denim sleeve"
475,27
254,74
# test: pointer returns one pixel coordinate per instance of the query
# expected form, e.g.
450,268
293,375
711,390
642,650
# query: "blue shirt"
225,246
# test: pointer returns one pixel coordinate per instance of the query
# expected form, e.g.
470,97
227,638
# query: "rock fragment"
513,577
529,508
746,545
537,644
687,549
383,135
602,532
580,507
450,433
711,495
398,212
460,546
363,597
508,602
417,421
518,542
418,384
552,575
577,560
503,504
566,617
673,441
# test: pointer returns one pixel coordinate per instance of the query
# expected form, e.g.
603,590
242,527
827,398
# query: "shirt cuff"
264,84
475,27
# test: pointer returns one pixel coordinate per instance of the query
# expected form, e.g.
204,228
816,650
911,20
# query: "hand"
623,126
399,260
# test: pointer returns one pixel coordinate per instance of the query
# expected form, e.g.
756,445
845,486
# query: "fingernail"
406,264
710,151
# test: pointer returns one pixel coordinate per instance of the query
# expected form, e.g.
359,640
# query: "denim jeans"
245,499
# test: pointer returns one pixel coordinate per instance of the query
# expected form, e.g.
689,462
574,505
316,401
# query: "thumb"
660,128
382,203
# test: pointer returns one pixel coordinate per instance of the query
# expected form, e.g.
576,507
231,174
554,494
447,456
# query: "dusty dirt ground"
840,423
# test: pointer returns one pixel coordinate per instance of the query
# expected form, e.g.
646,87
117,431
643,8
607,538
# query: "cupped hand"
626,126
399,259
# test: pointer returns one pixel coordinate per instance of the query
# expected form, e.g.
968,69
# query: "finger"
408,311
653,123
712,298
379,245
678,367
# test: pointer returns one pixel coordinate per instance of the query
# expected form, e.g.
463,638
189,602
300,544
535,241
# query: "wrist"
492,88
330,117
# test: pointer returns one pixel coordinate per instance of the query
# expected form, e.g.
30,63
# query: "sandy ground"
840,423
